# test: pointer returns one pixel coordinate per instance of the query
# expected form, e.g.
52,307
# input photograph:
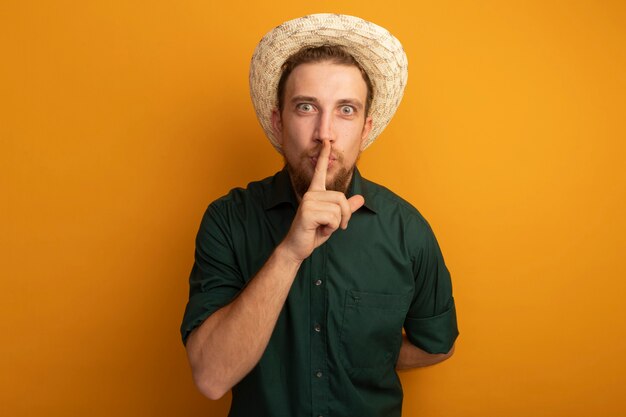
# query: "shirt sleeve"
215,278
431,321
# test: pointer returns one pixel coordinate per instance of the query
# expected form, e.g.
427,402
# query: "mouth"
331,160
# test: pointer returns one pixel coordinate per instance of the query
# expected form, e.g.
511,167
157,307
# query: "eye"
347,110
305,107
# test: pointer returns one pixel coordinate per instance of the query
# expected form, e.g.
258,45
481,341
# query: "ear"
367,128
277,126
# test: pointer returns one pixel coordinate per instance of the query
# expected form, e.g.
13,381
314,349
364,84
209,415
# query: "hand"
320,213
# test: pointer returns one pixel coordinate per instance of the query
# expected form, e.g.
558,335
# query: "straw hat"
377,51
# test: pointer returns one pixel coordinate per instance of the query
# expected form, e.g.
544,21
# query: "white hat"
378,52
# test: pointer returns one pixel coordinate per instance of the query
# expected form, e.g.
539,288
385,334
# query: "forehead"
326,78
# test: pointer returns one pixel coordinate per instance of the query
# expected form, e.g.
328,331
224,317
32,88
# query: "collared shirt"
337,339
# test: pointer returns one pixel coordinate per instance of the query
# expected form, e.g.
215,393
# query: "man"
303,281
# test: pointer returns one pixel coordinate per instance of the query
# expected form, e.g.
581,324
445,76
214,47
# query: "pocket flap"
377,300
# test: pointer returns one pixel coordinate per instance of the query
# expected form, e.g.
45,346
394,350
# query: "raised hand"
320,213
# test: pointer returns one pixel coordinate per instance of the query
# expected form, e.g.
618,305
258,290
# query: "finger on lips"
318,187
318,182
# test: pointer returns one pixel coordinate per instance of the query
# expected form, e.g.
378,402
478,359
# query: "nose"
324,129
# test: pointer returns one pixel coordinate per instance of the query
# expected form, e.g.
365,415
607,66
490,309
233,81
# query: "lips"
331,159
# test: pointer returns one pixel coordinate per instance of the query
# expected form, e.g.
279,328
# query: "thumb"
355,202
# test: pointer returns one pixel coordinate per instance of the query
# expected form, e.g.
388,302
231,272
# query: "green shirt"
336,342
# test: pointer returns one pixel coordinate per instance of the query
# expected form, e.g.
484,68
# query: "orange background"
121,121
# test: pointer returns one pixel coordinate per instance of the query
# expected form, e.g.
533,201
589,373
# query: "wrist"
284,254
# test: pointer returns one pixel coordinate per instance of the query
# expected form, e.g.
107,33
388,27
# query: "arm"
431,321
230,342
413,357
227,345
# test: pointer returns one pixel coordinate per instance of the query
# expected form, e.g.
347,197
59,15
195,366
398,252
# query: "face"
323,101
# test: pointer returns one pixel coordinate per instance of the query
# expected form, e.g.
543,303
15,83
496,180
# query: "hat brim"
379,53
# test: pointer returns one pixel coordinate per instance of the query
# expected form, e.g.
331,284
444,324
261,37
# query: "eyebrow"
355,102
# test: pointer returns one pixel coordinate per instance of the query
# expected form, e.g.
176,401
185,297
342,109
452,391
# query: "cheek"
300,124
350,129
298,134
350,138
294,154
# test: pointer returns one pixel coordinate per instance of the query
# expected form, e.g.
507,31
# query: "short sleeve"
431,321
215,278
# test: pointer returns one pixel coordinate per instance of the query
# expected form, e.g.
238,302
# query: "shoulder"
240,203
254,193
400,217
388,203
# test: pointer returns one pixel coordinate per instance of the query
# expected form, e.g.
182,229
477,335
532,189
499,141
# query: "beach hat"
378,52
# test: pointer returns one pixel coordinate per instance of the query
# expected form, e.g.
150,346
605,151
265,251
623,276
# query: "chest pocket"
371,331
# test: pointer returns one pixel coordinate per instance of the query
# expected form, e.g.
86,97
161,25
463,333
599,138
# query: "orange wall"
120,121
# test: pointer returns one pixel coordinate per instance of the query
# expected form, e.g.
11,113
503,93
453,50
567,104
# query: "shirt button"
319,374
318,282
317,327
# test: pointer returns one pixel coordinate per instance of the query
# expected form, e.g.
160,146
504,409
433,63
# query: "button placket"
319,359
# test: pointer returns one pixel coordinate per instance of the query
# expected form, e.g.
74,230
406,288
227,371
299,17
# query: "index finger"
318,182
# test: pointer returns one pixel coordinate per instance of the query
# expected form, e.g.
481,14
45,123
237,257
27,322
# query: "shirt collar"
281,191
358,185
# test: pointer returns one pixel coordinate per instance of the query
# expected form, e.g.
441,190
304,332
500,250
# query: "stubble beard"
301,178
